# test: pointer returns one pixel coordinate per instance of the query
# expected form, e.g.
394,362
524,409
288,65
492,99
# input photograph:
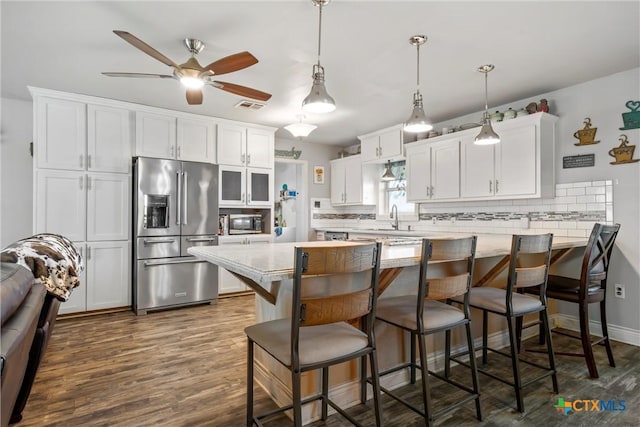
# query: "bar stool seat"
493,299
401,311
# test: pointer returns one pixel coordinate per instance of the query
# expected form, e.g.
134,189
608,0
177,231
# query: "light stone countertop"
267,263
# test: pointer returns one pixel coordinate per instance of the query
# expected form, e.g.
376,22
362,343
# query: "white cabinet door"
338,176
155,135
476,170
108,207
445,170
232,142
227,282
61,134
108,282
77,301
391,144
370,148
60,203
232,185
108,139
353,181
380,146
196,140
516,171
418,172
259,187
260,146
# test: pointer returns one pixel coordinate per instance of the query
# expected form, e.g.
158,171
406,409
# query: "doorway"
291,200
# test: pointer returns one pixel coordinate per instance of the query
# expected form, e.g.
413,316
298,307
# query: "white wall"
16,171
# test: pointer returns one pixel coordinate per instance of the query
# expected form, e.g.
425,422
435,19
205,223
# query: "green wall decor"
631,119
289,154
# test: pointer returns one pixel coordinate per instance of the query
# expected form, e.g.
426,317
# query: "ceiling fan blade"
162,76
235,62
242,90
194,96
130,38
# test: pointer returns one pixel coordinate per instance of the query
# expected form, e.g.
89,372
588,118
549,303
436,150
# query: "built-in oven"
245,224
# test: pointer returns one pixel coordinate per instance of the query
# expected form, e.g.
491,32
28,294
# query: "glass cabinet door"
232,185
260,186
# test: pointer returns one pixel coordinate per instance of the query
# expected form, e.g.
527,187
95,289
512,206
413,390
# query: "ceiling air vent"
249,105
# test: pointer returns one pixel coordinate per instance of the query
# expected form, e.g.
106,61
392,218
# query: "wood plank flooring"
186,367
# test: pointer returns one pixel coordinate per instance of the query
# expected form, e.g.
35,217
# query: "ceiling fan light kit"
487,135
194,76
418,120
319,101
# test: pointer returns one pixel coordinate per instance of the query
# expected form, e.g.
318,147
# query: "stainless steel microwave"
245,224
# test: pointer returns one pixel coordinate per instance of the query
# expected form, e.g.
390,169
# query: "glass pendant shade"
487,136
318,101
300,130
388,173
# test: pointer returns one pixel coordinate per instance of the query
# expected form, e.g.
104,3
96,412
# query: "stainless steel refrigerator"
175,206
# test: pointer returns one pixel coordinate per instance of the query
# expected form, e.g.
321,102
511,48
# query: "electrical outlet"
619,291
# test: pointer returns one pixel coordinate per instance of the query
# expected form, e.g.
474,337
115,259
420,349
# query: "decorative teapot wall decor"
587,134
623,153
631,119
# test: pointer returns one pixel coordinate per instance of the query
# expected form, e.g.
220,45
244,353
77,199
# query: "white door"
155,135
476,170
77,302
232,142
353,181
418,173
516,162
61,134
260,146
259,187
108,207
108,139
337,183
445,170
108,279
232,185
60,203
196,140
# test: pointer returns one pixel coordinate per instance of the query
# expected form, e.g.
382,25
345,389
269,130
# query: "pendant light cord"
486,93
319,31
418,69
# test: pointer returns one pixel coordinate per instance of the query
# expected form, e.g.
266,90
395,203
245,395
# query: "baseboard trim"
616,333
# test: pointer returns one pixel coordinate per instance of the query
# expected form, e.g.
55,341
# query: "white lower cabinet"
433,170
227,282
106,280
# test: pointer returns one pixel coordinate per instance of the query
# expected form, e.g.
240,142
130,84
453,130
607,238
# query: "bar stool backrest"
597,255
533,274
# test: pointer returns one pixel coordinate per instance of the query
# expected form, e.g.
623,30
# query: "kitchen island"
268,269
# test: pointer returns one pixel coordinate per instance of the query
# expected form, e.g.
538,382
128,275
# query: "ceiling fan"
193,75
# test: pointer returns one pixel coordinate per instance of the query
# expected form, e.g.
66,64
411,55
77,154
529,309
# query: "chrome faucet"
394,208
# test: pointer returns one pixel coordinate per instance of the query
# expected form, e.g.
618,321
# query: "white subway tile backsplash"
561,192
586,199
599,183
579,191
601,198
595,190
563,186
577,207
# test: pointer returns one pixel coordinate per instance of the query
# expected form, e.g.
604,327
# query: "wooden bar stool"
332,285
590,288
523,272
423,315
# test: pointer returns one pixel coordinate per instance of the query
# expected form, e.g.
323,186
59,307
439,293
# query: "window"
394,192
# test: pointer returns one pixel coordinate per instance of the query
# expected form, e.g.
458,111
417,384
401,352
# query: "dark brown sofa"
28,313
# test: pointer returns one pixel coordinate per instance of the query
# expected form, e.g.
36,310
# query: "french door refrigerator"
175,206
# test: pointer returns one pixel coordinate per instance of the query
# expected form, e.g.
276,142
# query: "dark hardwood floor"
186,367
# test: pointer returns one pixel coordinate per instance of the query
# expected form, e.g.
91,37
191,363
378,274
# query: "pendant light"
486,136
300,130
418,121
388,173
318,100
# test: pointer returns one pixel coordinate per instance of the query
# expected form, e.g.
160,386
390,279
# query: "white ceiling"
370,66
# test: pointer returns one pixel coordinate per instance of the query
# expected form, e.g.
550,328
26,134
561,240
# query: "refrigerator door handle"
185,192
179,199
182,261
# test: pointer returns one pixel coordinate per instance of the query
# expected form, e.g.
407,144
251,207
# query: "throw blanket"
53,259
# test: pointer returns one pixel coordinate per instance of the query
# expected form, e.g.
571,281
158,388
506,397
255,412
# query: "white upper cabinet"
433,170
240,186
245,146
108,139
196,140
61,134
351,183
520,166
155,135
382,145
